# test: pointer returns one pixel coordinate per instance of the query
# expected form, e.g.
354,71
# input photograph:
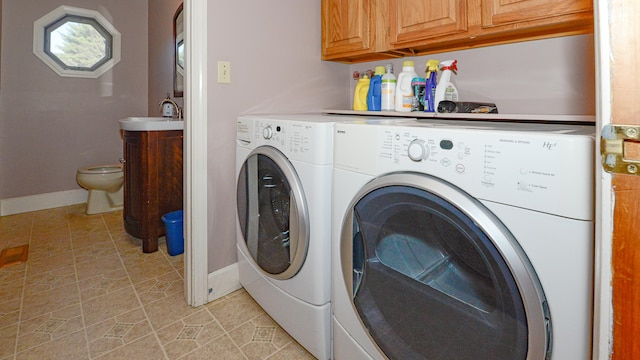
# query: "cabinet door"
346,26
414,20
168,160
503,12
135,184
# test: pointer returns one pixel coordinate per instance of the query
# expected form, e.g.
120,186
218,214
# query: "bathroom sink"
151,124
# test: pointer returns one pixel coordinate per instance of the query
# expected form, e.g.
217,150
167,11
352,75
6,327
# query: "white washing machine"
462,240
284,165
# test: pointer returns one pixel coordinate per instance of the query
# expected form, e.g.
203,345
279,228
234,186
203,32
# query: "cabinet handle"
122,161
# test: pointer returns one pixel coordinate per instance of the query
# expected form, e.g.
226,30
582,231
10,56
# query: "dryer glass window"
264,208
429,283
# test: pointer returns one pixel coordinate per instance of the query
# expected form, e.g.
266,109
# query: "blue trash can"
174,232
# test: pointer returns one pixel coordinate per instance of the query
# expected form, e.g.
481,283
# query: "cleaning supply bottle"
374,99
446,90
430,87
404,92
360,95
418,86
388,89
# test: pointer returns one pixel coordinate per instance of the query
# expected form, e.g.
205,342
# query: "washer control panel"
542,167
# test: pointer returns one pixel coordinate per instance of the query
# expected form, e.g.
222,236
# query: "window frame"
40,42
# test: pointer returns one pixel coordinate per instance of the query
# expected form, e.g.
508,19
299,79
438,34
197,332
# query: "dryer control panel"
309,141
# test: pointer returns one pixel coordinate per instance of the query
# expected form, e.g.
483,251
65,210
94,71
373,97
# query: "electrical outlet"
224,72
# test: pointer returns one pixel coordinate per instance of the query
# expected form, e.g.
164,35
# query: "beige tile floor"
88,292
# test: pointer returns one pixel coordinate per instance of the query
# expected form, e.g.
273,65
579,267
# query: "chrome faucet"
176,111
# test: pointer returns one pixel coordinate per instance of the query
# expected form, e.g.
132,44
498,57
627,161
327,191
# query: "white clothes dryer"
462,240
284,165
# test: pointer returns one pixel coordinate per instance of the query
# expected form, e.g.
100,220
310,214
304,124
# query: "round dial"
417,150
267,132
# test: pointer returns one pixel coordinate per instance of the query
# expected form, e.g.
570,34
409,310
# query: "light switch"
224,72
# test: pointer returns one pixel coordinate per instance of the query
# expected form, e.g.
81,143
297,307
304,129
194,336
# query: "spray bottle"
388,89
360,94
404,92
446,90
430,88
374,100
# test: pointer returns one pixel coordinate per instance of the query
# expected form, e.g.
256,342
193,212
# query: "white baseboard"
52,200
223,282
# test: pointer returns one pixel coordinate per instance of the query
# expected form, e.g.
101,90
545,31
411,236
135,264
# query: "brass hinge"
620,149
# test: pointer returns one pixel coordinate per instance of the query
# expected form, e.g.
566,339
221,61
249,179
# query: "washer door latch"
620,149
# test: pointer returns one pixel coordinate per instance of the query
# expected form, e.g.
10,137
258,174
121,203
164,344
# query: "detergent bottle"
404,92
430,87
446,90
360,94
374,99
388,89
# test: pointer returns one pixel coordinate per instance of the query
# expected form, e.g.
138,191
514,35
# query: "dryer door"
272,213
434,275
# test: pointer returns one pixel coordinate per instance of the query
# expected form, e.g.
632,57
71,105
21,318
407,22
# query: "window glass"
76,42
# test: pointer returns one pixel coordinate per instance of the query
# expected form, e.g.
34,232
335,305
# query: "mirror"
178,59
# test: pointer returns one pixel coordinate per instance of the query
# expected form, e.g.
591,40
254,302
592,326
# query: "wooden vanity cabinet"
152,182
416,27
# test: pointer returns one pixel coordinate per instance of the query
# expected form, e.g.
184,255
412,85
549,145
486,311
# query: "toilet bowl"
105,185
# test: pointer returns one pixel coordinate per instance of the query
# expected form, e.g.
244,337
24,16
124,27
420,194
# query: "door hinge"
620,149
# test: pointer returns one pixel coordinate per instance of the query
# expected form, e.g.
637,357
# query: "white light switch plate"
224,72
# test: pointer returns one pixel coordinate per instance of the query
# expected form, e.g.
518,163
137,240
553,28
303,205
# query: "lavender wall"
50,125
274,50
161,53
551,76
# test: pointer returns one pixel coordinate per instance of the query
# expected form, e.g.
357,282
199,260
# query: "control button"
417,150
445,162
267,132
460,168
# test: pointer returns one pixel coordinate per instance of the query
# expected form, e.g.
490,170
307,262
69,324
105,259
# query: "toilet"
105,185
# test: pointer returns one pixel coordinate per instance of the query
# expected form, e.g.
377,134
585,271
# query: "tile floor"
88,292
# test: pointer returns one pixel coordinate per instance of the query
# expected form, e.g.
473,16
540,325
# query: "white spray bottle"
446,90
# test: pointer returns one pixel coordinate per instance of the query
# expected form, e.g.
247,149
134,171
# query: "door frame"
602,301
195,160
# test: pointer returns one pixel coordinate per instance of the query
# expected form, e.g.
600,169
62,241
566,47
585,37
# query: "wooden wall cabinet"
413,20
355,30
152,182
416,27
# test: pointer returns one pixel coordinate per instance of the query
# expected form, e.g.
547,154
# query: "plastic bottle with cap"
388,89
430,87
404,92
374,96
360,94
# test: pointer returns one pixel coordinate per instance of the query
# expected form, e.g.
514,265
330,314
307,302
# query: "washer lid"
434,274
273,213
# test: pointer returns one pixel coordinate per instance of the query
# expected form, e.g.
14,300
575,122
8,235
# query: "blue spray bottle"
430,88
374,96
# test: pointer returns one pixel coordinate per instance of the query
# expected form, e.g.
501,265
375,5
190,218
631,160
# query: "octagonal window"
76,42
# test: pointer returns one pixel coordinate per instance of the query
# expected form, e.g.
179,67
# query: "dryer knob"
267,132
417,150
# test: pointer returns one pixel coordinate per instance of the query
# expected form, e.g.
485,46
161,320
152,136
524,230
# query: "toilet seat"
100,169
